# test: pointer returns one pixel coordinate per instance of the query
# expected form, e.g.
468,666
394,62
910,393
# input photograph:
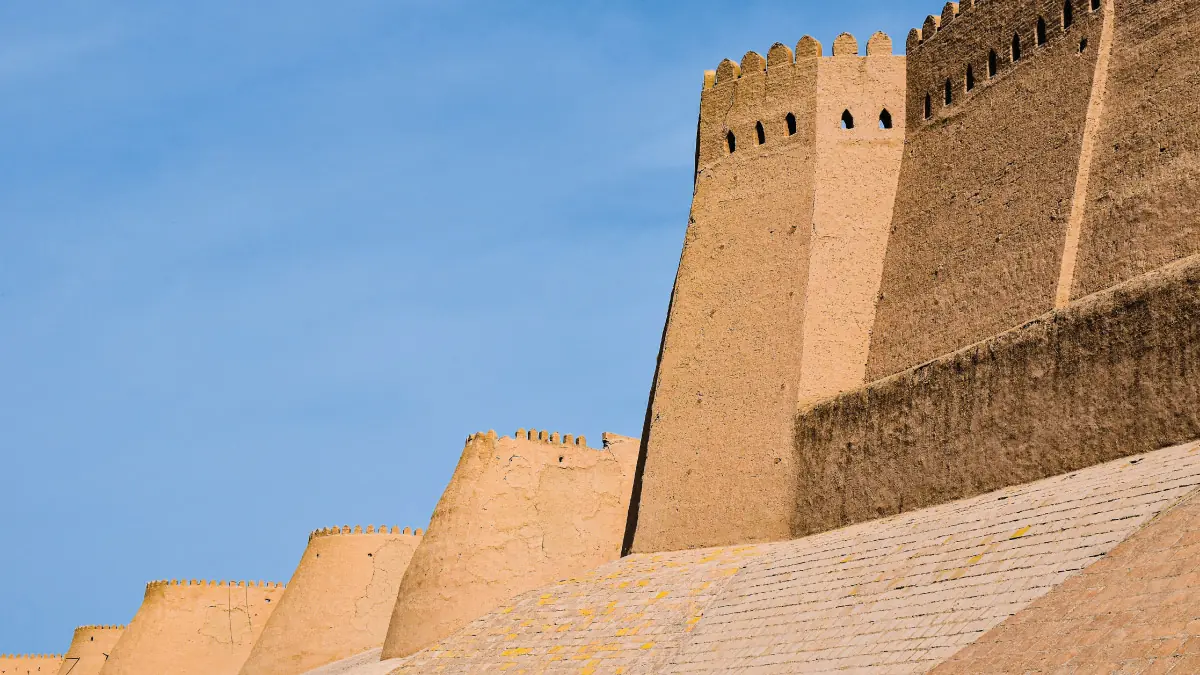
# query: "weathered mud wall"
339,601
518,513
90,647
1142,209
783,249
29,664
988,179
193,628
857,172
1114,374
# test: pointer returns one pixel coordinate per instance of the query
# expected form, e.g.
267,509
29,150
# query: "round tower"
194,628
338,602
90,647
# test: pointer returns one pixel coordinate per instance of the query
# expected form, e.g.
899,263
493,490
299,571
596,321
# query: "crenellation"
780,55
880,44
752,62
845,45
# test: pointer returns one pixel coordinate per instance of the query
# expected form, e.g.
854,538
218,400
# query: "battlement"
551,437
970,45
773,101
214,584
30,657
370,529
95,628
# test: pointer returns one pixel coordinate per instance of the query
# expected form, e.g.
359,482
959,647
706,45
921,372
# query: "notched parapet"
543,436
100,628
880,44
213,584
359,529
845,45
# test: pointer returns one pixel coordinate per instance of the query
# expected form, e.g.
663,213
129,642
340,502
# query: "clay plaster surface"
987,183
783,250
193,628
367,663
90,647
1136,611
898,595
518,513
1112,374
1142,210
338,603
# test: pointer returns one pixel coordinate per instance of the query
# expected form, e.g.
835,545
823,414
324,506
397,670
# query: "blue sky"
263,266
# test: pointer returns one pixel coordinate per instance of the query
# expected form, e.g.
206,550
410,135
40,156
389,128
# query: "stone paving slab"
898,595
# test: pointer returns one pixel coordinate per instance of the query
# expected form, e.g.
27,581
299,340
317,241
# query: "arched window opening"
1041,32
949,93
791,124
847,120
928,106
762,133
1016,48
731,141
1095,5
992,65
885,119
970,77
1068,14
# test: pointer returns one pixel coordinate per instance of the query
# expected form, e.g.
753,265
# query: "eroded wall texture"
339,601
1142,209
988,178
518,513
193,628
89,650
774,297
1112,375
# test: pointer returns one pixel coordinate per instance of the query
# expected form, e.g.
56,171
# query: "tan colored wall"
856,177
193,628
90,647
1112,375
29,664
338,602
1132,612
987,184
736,359
518,513
1142,209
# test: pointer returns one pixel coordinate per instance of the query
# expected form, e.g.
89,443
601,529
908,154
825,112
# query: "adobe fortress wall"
1142,210
89,650
775,294
338,602
518,513
989,174
29,664
193,628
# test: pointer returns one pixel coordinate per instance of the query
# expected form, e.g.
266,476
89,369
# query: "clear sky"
264,266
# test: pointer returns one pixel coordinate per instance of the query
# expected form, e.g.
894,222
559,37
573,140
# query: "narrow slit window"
1041,32
762,133
885,119
1095,5
847,120
1016,48
1068,14
992,65
928,106
970,78
1083,45
949,93
791,124
731,141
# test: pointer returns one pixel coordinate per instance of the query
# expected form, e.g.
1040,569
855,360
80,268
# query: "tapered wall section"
90,647
1142,209
193,628
29,664
988,176
518,513
860,141
338,602
776,287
